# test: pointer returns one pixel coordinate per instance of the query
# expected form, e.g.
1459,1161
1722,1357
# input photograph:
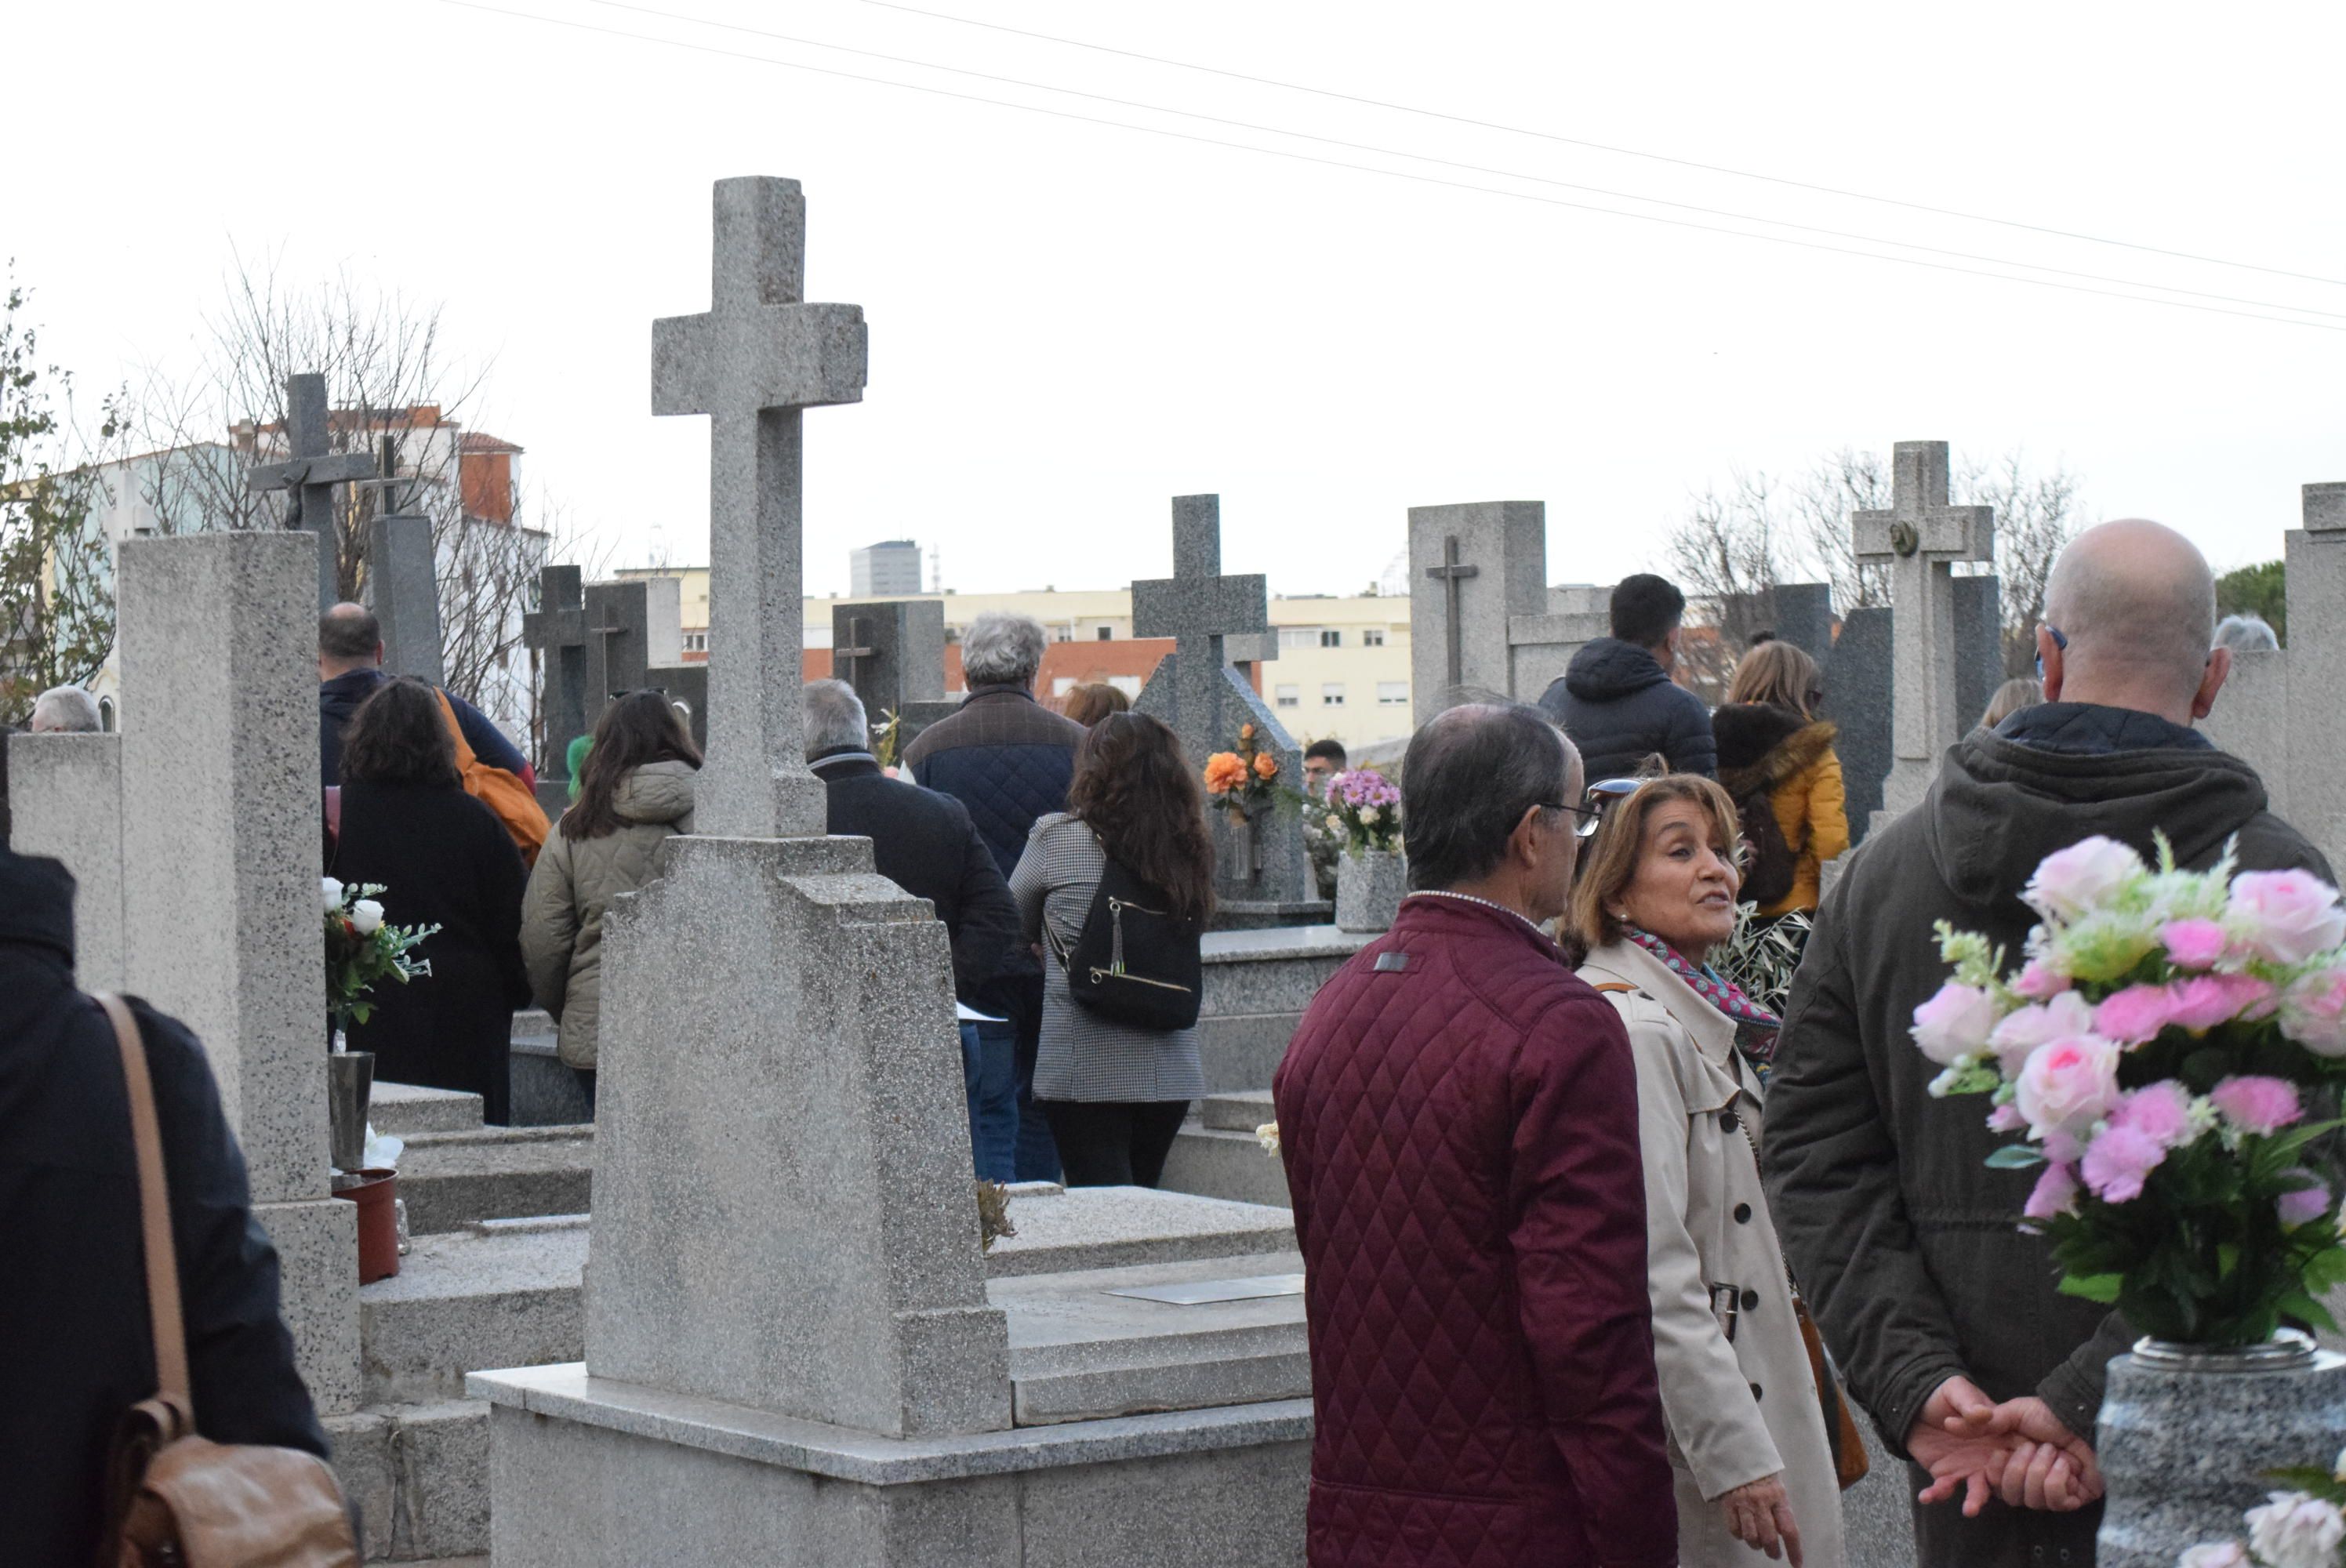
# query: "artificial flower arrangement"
361,949
2158,1053
1245,778
2299,1528
1363,812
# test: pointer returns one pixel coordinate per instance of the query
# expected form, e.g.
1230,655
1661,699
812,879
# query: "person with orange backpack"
495,773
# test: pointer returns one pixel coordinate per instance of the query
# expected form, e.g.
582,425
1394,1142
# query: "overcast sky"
1071,322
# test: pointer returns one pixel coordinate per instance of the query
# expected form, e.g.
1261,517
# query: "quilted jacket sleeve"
1833,1189
1828,810
549,926
1577,1229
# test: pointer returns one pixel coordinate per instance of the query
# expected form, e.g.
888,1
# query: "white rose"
2215,1554
333,891
1336,824
2296,1530
1368,816
366,915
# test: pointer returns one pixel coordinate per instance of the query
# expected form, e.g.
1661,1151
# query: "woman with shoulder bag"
1753,1415
1117,889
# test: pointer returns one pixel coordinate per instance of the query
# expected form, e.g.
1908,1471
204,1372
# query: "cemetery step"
1274,970
1113,1226
420,1476
404,1110
498,1293
1242,1050
449,1179
1081,1352
1218,1154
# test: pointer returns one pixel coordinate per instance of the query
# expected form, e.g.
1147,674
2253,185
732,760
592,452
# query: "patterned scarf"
1755,1028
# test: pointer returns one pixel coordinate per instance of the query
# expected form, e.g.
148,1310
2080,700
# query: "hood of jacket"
1760,746
655,792
1610,669
1999,806
36,896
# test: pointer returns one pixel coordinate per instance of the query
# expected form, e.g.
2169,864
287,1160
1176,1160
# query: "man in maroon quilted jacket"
1458,1114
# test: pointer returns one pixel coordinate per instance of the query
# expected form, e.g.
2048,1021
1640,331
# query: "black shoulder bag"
1134,961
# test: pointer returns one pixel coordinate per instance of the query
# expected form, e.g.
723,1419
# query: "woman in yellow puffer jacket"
1770,739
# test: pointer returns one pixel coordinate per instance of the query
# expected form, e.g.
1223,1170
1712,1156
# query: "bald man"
1936,1307
349,668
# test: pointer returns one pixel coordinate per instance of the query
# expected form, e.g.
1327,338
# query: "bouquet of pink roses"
2158,1053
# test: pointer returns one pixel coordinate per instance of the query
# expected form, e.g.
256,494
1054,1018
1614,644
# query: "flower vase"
2187,1433
1368,888
1240,869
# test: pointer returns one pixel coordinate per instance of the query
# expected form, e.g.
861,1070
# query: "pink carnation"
2080,877
2005,1118
2258,1104
2062,1148
2313,1011
2055,1194
2135,1014
2068,1084
2286,917
2304,1205
2193,943
1956,1022
2040,982
2118,1161
2204,1000
2161,1111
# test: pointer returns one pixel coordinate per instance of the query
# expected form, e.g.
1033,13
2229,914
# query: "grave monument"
1206,702
309,475
403,581
792,1353
893,652
556,632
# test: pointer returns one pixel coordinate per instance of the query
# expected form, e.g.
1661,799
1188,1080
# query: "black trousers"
1114,1143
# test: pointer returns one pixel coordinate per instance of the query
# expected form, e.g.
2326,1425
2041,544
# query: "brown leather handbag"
1848,1444
174,1500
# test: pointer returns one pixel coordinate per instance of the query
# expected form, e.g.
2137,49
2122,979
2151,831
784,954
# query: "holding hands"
2018,1450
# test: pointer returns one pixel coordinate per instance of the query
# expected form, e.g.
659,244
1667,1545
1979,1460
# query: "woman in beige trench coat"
1755,1470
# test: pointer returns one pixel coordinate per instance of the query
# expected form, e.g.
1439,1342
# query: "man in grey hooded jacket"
1907,1247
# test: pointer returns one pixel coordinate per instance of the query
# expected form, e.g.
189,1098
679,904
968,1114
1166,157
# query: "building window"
1392,694
1293,637
1372,637
696,642
1062,634
1331,693
1106,634
1288,695
1330,637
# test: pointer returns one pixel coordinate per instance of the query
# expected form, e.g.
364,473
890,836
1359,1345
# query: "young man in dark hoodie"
1616,700
1938,1308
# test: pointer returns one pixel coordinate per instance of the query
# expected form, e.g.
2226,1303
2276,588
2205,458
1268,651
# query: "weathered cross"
1920,538
1450,575
847,663
751,363
311,474
1198,608
556,629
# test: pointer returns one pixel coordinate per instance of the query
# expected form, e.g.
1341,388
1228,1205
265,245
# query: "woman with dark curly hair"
444,859
1116,1093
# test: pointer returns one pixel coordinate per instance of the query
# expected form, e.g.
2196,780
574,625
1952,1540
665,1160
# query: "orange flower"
1266,765
1224,773
1246,732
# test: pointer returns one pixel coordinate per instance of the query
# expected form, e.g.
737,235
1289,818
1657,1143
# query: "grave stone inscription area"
744,1314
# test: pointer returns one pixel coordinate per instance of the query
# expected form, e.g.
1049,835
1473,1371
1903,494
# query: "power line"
1452,163
1369,168
1597,146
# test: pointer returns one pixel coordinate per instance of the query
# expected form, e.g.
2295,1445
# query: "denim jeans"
989,1070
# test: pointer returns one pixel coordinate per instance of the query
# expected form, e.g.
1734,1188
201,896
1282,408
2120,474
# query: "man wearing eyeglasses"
1458,1116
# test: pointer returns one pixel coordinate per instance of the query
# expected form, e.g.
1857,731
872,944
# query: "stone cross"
757,358
311,473
891,652
1452,577
852,653
1920,538
556,630
617,625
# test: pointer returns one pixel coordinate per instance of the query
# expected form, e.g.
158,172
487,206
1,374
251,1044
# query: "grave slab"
66,796
403,591
402,1110
449,1179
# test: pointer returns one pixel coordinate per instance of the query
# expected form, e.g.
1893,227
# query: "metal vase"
349,1086
2188,1434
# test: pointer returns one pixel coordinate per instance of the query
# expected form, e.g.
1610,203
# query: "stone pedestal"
68,805
2186,1441
1368,888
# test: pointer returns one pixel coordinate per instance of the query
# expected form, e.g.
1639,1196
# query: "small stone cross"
1198,608
311,474
1920,538
1451,574
847,663
751,362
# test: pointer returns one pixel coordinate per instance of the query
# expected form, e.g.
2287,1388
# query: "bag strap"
465,757
1614,985
154,1208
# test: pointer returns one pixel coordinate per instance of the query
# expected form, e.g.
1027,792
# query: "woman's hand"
1759,1514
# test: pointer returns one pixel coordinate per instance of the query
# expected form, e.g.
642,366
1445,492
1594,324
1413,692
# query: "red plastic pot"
378,1224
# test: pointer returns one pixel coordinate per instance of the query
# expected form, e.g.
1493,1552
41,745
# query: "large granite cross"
311,473
757,357
1198,606
1920,538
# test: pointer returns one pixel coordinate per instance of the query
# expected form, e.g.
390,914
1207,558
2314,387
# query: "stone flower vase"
2187,1435
1368,888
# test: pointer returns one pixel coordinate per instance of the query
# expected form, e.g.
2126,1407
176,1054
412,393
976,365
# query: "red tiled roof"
479,441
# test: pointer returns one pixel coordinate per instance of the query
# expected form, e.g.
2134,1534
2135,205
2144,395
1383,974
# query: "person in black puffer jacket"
1616,700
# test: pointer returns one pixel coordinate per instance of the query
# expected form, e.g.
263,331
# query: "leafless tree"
2037,515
